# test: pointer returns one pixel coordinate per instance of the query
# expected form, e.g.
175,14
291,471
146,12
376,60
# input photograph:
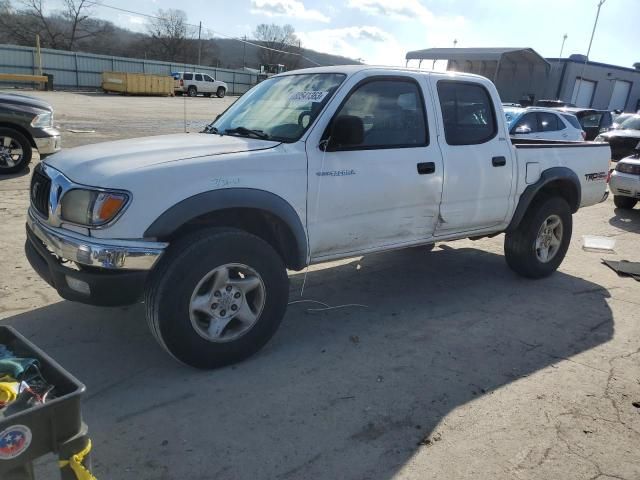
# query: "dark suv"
594,122
26,124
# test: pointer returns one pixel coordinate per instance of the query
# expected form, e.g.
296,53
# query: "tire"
625,203
521,246
176,286
15,151
192,91
221,92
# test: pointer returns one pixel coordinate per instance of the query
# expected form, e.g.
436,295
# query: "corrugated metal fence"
84,70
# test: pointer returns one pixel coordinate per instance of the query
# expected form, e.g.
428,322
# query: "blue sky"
382,31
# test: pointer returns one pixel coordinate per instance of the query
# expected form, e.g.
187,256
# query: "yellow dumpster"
138,83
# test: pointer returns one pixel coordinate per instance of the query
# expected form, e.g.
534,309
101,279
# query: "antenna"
184,102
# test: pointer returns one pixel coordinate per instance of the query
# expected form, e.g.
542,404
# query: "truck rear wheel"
626,203
216,297
192,91
536,248
221,92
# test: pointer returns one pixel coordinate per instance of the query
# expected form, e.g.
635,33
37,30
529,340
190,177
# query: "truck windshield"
280,108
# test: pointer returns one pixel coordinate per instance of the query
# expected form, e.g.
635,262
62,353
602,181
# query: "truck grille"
40,188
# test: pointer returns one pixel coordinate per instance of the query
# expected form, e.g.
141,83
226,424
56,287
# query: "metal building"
522,75
602,86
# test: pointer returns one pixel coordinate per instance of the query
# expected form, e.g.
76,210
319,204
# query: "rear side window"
467,113
188,76
548,122
573,121
591,120
198,77
527,124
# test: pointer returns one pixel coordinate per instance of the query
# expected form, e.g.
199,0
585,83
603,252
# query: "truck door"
478,164
384,187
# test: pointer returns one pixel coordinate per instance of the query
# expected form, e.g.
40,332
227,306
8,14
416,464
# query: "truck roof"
352,69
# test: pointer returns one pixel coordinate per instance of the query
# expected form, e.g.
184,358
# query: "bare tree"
57,30
80,23
170,33
278,37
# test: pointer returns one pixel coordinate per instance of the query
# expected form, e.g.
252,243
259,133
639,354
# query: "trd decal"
592,177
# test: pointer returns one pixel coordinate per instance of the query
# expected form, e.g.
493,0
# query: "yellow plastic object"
75,463
138,83
9,389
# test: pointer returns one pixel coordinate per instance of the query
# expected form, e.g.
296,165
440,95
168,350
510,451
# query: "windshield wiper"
247,131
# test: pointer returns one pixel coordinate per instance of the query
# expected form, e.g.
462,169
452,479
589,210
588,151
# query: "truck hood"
621,133
12,100
92,164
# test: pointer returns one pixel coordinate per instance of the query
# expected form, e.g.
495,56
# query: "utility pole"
244,52
199,42
595,24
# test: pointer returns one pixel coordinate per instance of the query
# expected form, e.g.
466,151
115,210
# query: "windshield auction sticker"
310,96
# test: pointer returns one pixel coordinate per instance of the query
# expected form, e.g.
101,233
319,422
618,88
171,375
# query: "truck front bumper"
83,270
47,140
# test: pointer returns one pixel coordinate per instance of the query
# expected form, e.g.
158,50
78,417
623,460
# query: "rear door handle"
426,168
498,161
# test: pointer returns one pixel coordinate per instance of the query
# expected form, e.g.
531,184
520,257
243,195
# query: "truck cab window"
208,78
392,113
198,77
467,113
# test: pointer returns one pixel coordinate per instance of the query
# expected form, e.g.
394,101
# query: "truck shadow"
348,393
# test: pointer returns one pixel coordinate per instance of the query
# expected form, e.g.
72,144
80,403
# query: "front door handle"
498,161
426,168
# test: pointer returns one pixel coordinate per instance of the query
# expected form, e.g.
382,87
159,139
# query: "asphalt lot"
457,368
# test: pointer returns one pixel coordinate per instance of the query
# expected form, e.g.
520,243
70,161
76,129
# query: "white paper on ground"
592,243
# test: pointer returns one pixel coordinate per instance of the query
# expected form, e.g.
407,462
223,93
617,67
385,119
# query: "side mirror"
346,131
522,130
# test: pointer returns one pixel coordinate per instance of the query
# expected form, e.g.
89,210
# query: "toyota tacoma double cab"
308,166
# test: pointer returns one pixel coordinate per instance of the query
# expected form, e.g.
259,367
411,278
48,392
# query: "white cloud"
376,45
404,10
286,8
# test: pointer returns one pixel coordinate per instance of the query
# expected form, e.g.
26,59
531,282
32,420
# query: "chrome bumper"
48,145
114,254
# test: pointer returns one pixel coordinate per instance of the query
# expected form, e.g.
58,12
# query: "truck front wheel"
216,297
536,248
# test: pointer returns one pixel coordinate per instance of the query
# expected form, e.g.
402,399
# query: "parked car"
625,181
543,123
624,139
311,166
26,124
195,83
593,122
619,118
553,103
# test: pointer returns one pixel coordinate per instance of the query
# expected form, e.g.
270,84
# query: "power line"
214,32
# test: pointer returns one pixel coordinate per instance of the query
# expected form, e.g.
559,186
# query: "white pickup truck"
306,167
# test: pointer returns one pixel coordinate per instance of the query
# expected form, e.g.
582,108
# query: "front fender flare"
215,200
550,175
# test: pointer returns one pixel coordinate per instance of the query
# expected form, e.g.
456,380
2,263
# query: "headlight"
43,120
92,208
631,168
600,139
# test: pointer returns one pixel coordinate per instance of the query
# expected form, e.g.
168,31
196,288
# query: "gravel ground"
457,368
